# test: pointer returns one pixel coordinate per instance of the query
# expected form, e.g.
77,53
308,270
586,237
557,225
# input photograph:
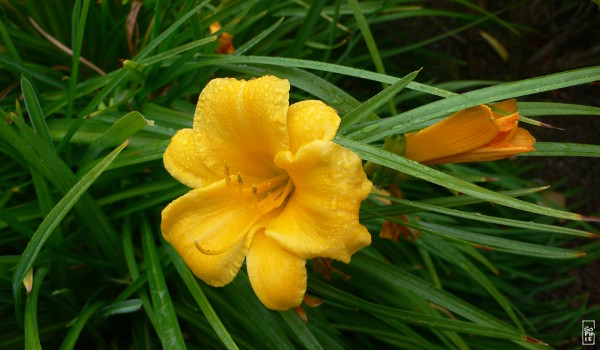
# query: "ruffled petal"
461,132
241,125
311,120
209,227
277,276
183,161
321,216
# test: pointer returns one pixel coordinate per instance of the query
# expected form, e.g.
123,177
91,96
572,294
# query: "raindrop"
334,202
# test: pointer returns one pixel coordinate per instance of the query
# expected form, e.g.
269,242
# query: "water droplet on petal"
334,202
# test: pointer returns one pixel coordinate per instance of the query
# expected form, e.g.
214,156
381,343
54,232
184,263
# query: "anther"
254,194
227,179
269,190
240,181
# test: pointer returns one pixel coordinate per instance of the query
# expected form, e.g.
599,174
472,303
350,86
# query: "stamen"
227,173
269,191
254,195
241,182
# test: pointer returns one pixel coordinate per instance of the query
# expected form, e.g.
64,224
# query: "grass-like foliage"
92,91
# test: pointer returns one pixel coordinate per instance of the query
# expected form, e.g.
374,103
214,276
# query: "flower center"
266,195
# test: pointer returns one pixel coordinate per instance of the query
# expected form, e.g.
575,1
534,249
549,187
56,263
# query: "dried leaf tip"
529,339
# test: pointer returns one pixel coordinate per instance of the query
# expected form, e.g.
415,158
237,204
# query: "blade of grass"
121,130
192,285
448,252
532,109
10,47
307,26
121,307
214,60
35,111
79,18
13,65
300,329
168,327
331,294
55,217
406,121
361,21
176,51
368,107
562,149
426,173
32,336
496,220
497,243
80,322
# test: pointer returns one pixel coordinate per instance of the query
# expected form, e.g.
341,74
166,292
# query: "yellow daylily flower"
269,186
475,134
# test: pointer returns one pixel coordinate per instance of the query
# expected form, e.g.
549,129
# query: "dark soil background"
553,36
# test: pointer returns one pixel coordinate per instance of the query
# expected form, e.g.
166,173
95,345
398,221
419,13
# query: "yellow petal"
461,132
321,216
311,120
507,125
508,106
242,125
277,276
521,142
210,227
183,161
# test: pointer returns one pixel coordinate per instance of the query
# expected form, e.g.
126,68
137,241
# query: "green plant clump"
92,91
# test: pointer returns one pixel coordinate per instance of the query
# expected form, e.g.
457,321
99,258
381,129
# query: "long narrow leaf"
408,120
35,111
426,173
192,284
56,215
168,327
362,111
32,336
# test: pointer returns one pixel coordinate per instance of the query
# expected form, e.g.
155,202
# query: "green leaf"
121,130
121,307
56,215
139,71
532,109
492,219
412,168
32,336
497,243
214,60
35,111
398,279
361,21
168,327
331,294
563,149
80,321
192,285
307,26
176,51
406,121
368,107
169,32
13,65
300,329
